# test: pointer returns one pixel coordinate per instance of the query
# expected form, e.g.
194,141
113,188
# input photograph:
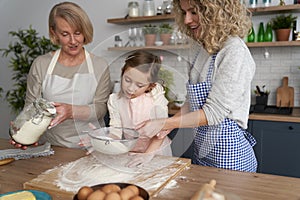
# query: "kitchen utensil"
153,181
6,161
285,94
112,140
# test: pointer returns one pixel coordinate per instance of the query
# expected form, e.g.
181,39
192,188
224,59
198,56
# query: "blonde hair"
75,16
218,19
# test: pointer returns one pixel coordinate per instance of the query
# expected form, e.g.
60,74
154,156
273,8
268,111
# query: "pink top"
129,113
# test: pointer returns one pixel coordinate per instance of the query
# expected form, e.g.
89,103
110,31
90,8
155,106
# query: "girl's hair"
75,16
144,62
218,20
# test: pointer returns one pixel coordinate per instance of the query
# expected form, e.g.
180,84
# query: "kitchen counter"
293,117
183,186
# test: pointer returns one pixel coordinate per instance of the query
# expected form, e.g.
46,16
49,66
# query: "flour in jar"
30,132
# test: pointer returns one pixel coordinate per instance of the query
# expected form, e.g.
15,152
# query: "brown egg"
134,189
126,193
113,196
137,198
97,195
110,188
84,192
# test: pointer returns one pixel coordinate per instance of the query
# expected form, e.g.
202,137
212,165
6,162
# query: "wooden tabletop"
237,185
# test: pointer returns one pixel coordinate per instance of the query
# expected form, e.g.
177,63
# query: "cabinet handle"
291,128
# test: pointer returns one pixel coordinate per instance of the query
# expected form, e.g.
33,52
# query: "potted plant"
24,48
167,78
165,31
282,25
150,32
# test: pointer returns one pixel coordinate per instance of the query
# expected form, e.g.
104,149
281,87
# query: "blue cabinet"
278,147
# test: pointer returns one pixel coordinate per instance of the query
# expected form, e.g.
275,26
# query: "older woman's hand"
63,112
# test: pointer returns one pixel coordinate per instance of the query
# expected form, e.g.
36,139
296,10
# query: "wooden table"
237,184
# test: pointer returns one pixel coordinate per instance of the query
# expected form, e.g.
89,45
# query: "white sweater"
233,72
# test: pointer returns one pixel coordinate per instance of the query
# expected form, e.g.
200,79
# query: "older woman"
75,80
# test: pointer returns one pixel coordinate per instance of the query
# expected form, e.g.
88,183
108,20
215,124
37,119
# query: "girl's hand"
85,140
63,112
139,159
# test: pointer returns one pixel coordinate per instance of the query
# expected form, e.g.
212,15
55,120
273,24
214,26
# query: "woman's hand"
63,112
153,127
20,146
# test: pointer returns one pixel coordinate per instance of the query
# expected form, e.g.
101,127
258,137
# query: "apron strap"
89,62
53,62
55,58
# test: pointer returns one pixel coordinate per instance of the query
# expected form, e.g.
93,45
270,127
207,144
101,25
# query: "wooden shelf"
164,47
275,9
274,44
255,11
142,19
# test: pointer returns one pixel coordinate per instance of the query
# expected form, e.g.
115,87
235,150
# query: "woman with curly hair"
219,87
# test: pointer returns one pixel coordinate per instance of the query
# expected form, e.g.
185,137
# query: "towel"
30,152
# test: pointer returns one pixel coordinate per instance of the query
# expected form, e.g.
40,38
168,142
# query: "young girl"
141,98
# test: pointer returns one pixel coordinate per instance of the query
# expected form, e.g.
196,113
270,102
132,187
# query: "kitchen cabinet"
277,149
294,8
182,142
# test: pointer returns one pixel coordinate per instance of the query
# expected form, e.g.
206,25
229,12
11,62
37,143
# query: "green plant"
150,29
283,21
165,28
24,48
167,79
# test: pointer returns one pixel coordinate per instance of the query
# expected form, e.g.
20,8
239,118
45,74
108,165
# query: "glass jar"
148,8
253,3
133,9
32,122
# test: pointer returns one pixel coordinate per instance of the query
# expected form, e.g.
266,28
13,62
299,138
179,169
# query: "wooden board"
285,94
153,182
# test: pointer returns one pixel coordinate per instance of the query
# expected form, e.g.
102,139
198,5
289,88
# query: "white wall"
16,14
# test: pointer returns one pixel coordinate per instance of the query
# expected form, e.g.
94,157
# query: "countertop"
183,186
293,117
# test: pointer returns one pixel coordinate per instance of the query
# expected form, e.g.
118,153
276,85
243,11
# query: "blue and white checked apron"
225,145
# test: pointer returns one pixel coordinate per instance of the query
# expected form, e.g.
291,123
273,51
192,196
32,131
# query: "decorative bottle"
268,37
261,32
251,35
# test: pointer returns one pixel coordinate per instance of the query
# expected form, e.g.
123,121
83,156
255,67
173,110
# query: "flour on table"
119,163
87,171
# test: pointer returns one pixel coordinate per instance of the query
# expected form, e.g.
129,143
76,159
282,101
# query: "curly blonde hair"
219,20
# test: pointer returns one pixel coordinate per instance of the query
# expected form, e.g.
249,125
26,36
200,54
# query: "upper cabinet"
294,8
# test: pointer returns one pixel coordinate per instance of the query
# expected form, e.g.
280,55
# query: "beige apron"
79,90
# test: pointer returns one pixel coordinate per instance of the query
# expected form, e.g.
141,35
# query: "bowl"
142,192
113,140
